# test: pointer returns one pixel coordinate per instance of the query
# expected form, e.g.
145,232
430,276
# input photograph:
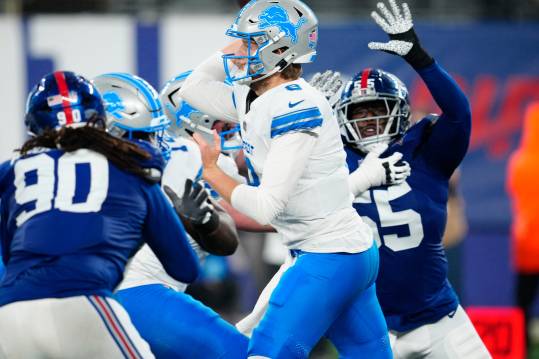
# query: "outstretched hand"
194,204
398,24
330,83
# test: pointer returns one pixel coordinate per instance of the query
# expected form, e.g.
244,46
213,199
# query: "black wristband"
417,57
209,227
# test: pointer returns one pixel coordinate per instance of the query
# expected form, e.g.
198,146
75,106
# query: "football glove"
194,205
330,84
404,42
375,171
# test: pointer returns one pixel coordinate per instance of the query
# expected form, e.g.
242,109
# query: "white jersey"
318,215
185,163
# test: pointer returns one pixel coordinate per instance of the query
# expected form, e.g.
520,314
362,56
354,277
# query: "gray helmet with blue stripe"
185,120
286,32
131,104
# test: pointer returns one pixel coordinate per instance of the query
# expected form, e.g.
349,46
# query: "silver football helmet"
186,120
284,31
132,105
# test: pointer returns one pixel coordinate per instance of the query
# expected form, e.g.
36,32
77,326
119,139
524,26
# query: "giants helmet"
367,88
62,98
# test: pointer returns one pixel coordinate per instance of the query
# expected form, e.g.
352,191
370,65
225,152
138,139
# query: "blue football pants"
330,295
178,326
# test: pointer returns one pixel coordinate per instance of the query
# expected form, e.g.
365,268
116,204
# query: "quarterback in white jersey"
298,184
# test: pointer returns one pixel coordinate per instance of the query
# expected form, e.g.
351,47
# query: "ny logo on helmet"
113,104
277,16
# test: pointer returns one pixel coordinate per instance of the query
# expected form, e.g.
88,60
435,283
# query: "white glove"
399,26
375,171
330,83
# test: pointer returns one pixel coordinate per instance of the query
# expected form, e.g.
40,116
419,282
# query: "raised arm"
166,236
450,133
205,89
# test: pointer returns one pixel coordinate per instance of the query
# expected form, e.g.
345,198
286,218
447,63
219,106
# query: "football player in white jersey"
173,323
298,184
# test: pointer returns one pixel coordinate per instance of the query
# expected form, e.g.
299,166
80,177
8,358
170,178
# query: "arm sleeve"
450,134
166,236
206,90
279,177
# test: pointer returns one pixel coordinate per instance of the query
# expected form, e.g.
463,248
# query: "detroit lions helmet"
185,120
132,105
285,32
62,98
374,108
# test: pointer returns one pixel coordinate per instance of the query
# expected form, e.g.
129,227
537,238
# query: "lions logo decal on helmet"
277,16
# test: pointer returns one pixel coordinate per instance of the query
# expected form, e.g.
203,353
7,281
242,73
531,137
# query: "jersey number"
41,191
389,218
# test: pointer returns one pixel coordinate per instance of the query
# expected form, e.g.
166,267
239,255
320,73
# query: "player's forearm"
448,95
206,91
220,182
280,176
246,199
244,222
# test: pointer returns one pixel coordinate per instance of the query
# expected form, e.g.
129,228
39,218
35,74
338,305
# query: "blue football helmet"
62,98
132,105
185,120
374,108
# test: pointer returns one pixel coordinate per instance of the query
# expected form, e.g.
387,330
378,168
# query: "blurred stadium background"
490,46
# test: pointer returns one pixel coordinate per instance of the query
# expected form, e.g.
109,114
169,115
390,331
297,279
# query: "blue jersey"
408,220
70,221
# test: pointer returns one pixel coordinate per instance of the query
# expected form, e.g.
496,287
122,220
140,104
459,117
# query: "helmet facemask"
369,121
249,67
229,132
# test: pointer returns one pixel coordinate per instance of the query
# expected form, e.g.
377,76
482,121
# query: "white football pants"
74,327
452,337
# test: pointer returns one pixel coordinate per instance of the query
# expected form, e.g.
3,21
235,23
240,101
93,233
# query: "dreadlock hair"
123,154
